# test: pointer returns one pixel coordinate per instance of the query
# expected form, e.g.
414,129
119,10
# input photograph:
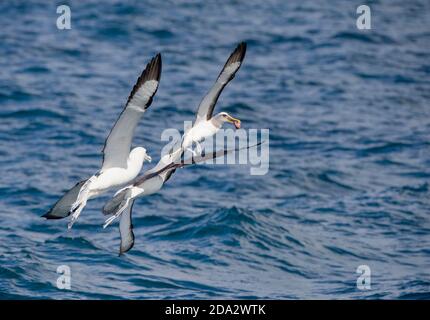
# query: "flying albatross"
122,202
153,180
120,165
206,125
146,184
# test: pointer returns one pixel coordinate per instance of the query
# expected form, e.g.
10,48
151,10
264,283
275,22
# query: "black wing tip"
154,68
122,251
152,71
50,216
238,54
46,215
241,47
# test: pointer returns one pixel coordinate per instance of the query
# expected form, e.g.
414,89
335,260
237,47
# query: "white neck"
217,122
134,164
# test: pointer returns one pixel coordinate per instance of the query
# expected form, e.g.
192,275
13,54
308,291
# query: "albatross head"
140,153
225,117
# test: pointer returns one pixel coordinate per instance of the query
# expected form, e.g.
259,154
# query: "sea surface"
348,183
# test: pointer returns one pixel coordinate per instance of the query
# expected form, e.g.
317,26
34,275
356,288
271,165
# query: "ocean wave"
348,181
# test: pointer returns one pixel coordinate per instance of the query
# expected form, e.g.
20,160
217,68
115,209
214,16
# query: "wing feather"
206,107
118,143
61,208
126,229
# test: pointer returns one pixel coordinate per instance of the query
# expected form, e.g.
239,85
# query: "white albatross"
206,125
147,184
120,165
153,180
122,202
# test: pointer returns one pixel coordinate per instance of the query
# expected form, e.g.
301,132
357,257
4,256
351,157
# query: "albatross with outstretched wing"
149,183
120,165
206,124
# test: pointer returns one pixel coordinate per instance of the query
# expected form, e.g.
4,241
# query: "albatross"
120,165
122,202
205,124
147,184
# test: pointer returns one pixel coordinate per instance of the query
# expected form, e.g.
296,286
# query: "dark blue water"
349,119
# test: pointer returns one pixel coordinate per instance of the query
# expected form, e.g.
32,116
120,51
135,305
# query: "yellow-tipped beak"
235,121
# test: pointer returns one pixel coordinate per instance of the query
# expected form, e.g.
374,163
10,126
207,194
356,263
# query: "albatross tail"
117,205
122,207
81,201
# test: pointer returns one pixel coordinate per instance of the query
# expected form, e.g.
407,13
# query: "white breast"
113,177
199,132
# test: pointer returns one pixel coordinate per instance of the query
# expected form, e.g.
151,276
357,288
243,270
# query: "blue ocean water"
349,119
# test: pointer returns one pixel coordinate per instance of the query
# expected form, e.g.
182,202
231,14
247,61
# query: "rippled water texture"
349,119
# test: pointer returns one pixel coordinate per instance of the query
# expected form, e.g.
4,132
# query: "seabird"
149,183
205,124
120,165
122,202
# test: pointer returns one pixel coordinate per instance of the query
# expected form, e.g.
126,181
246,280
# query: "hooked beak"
148,158
235,121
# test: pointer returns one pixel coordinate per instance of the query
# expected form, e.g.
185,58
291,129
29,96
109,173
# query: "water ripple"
349,124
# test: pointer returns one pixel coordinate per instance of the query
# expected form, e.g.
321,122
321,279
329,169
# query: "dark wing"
61,208
126,229
206,107
125,224
187,162
117,146
115,203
